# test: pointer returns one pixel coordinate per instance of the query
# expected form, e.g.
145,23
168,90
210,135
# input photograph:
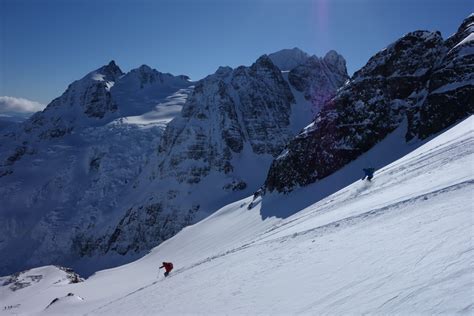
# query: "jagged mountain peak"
144,68
335,60
464,33
467,22
263,61
319,78
103,95
83,103
332,55
147,81
139,77
295,51
287,59
398,58
223,70
110,72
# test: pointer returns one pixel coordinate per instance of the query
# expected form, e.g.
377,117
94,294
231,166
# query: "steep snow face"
65,170
287,59
218,150
401,244
419,77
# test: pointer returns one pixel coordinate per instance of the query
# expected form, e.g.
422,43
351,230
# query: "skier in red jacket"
168,267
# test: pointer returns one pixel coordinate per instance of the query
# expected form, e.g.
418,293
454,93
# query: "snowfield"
400,244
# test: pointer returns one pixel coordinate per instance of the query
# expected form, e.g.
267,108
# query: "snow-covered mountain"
420,78
99,177
65,170
401,244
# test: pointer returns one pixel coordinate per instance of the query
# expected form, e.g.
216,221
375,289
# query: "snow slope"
400,244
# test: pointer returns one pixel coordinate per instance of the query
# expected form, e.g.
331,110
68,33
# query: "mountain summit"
287,59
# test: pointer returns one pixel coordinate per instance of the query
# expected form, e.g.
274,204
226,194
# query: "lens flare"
322,14
321,23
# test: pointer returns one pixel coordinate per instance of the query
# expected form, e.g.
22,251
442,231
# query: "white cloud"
19,105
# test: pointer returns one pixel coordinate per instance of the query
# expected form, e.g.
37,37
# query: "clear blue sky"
46,44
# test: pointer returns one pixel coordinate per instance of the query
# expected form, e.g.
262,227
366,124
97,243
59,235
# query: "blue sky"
46,44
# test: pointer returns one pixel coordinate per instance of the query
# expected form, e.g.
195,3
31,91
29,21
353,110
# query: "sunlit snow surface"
162,113
400,244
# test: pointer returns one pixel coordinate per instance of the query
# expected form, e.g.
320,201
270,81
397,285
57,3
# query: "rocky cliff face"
451,85
419,77
232,108
319,78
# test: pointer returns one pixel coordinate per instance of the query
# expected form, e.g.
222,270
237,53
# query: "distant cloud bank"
19,105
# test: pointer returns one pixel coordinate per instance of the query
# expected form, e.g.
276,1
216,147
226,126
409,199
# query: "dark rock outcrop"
451,85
